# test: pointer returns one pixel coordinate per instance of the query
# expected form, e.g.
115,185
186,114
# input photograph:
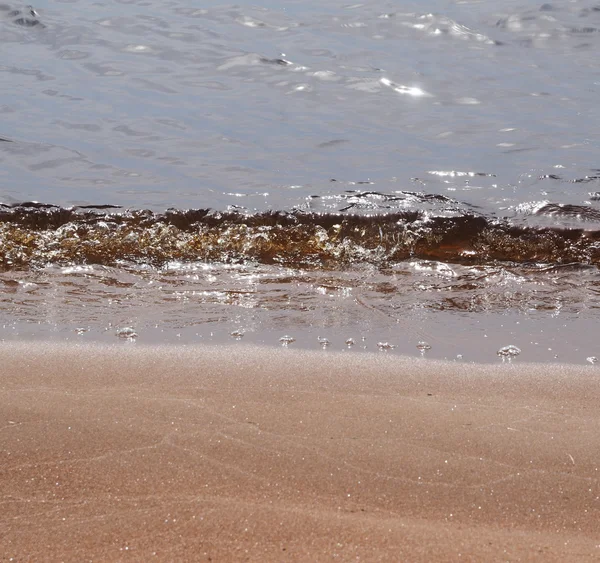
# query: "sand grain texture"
236,453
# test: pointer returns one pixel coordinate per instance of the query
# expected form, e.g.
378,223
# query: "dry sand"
235,453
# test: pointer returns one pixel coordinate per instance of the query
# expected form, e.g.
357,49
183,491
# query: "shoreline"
235,452
473,340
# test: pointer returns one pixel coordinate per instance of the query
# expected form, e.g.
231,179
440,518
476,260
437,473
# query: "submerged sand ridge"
249,454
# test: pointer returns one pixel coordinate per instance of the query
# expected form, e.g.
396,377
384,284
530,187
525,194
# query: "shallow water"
472,126
466,313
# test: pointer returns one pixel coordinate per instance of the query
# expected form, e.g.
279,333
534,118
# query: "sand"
237,453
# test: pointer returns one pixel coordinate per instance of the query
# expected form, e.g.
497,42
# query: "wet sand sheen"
240,453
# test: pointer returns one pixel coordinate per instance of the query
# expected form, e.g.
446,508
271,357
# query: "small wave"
438,24
35,235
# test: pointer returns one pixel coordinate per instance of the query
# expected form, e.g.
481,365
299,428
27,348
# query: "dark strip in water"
35,235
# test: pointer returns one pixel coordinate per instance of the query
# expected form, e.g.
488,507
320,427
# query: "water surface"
184,104
471,126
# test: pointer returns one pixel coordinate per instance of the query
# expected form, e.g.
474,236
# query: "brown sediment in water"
243,453
37,235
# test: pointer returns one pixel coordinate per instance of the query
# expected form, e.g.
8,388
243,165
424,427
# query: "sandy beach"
238,453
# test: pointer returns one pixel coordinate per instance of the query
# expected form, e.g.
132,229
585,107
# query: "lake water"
428,165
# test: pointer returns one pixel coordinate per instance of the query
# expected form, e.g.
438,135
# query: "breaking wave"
36,235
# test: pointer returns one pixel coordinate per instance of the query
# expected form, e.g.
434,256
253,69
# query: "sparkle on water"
127,333
507,353
237,334
286,340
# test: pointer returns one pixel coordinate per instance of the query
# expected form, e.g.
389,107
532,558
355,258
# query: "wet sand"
237,453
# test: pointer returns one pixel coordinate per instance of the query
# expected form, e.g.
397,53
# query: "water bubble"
592,360
507,353
237,334
286,340
423,346
127,333
384,346
324,342
349,342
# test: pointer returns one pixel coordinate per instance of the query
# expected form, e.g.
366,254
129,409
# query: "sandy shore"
235,453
